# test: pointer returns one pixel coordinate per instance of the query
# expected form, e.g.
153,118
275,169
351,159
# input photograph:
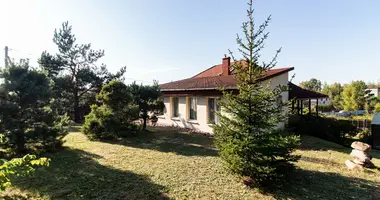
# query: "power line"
22,52
139,80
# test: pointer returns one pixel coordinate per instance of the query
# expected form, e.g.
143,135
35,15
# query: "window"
175,107
193,108
279,100
212,109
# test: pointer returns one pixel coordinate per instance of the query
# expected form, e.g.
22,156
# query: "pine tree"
147,98
75,71
247,136
26,113
114,116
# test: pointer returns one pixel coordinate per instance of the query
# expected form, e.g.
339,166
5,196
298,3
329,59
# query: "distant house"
191,103
322,101
374,91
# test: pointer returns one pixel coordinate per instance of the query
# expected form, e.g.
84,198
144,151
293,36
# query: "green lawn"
167,164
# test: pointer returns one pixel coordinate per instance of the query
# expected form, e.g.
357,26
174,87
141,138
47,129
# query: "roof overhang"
180,86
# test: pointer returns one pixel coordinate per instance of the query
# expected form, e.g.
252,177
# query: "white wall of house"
201,124
375,92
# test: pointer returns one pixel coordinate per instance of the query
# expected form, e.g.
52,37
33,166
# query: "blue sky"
168,40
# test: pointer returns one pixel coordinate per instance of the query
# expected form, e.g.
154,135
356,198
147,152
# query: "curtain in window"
211,112
175,107
193,108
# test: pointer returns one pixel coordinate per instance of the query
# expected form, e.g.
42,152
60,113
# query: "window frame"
192,111
175,107
212,111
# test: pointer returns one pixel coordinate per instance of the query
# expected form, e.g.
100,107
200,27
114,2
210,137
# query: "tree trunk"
144,116
144,125
20,143
76,106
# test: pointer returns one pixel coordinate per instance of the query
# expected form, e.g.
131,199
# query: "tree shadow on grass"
171,140
322,161
307,184
75,174
317,144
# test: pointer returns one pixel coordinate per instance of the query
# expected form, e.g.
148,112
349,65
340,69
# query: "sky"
168,40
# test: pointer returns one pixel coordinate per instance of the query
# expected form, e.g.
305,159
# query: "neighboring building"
375,91
191,103
322,101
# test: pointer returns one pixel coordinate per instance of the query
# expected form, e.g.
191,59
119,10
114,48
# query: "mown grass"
169,164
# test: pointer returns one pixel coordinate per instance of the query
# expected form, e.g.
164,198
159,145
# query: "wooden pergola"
299,95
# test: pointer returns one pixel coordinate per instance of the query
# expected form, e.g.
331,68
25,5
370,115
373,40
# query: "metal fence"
361,124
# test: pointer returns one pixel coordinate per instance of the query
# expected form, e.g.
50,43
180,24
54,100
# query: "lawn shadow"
322,161
306,184
317,144
75,174
172,140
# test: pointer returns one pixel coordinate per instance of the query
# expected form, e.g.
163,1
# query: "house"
374,91
322,101
191,103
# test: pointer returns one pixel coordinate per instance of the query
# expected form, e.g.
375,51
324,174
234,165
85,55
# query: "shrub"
377,108
325,128
114,118
364,136
19,167
325,108
103,123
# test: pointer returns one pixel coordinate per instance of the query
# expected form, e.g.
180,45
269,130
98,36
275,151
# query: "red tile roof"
209,80
215,70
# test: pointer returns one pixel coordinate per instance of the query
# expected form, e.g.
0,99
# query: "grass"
168,164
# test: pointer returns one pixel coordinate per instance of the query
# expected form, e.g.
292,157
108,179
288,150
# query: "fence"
361,124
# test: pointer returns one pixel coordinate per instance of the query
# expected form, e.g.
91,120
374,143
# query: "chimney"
226,66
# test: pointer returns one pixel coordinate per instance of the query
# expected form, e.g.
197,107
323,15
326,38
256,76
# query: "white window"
213,108
193,108
175,107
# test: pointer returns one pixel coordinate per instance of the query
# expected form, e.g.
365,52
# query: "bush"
114,118
377,108
330,129
103,123
19,167
326,108
364,136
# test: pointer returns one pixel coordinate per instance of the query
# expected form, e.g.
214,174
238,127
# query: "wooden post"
301,107
187,108
171,107
309,106
298,107
207,110
293,106
316,108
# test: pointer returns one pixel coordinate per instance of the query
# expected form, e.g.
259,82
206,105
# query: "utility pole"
6,56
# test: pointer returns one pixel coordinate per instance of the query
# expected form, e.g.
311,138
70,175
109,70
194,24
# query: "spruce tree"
247,137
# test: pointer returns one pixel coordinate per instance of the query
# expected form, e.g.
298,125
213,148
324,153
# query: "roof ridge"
204,70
